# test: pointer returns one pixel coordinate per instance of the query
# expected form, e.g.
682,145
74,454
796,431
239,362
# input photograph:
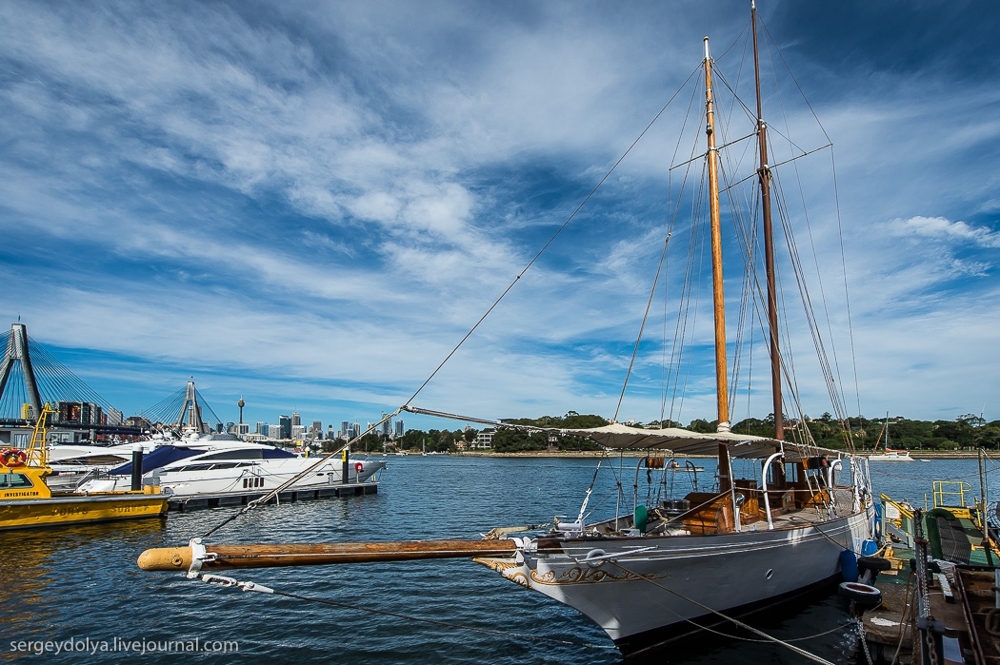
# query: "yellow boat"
26,500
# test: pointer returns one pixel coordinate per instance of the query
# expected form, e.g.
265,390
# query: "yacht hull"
644,590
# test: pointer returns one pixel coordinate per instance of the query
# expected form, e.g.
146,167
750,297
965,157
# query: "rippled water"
82,583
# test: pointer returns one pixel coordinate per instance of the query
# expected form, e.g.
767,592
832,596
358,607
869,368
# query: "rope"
250,586
756,641
741,624
909,600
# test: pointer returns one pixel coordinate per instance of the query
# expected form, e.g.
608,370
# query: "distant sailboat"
889,455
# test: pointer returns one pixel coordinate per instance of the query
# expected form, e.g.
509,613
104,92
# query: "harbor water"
80,585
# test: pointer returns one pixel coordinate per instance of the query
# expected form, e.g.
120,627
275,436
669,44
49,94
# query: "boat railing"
944,489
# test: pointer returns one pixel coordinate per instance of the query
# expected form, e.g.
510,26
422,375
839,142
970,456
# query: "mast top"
707,56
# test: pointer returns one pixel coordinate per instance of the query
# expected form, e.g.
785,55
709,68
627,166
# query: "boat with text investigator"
27,501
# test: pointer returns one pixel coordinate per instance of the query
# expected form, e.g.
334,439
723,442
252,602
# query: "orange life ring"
358,467
14,457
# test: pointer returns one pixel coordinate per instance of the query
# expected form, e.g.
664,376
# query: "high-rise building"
398,429
284,428
316,430
262,428
296,418
115,416
355,430
386,425
298,432
345,429
330,434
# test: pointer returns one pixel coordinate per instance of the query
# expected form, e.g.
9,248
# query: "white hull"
891,457
233,466
262,476
654,590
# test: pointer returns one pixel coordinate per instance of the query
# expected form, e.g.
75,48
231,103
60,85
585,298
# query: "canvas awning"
685,442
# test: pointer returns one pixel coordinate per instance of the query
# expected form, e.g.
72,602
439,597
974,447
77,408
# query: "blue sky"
308,204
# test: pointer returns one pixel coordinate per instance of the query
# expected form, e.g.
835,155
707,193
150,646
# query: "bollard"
137,467
343,476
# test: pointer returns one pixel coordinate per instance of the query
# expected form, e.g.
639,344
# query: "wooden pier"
188,503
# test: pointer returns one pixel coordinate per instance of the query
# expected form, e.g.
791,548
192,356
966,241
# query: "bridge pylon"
17,352
190,413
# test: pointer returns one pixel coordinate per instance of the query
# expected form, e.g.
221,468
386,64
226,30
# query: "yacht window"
244,453
192,467
12,480
225,465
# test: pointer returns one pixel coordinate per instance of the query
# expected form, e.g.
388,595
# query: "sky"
308,204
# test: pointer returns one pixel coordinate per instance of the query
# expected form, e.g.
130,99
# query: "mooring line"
251,586
745,626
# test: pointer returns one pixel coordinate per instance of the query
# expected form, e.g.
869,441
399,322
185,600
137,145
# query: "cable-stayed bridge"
30,376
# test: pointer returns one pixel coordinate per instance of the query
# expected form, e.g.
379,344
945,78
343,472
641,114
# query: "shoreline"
586,454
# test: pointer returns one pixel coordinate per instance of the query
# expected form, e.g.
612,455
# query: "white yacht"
225,464
74,464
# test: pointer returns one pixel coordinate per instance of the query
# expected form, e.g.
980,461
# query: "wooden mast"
764,177
718,292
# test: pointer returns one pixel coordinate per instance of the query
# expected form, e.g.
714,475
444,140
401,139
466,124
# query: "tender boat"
224,464
26,500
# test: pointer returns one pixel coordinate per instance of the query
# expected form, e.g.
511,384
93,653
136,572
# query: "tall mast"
764,177
718,295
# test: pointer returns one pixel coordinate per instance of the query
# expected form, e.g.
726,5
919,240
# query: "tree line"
966,431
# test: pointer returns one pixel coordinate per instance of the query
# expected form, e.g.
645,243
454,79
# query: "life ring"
14,457
358,467
864,595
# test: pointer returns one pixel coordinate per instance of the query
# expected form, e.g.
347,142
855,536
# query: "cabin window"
191,467
244,453
14,480
225,465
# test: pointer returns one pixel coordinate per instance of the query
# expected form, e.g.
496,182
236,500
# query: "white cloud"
941,228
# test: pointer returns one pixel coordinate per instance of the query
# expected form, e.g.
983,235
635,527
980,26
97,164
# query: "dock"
199,501
941,593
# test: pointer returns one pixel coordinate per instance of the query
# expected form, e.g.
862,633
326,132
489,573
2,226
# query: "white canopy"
686,442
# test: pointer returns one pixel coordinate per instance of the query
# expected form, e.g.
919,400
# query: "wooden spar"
718,293
764,176
317,554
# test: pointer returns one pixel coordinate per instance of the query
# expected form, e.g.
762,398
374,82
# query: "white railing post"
763,487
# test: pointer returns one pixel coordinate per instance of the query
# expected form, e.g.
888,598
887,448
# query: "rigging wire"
250,586
769,638
273,493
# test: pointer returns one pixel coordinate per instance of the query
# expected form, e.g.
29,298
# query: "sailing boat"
665,570
888,454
